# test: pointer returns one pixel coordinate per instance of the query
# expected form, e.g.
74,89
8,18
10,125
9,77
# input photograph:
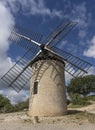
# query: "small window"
35,87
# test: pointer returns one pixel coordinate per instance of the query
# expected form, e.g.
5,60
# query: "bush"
91,97
22,105
78,100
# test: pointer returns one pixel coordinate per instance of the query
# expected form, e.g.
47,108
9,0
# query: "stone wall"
51,97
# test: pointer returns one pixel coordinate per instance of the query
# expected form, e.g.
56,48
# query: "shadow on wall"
42,67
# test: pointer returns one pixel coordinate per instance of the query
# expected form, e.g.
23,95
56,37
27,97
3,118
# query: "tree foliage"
78,100
22,105
6,106
82,85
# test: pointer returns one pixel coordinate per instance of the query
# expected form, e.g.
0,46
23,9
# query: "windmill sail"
18,76
74,65
60,32
22,37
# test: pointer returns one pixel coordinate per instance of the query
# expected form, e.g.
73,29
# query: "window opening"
35,87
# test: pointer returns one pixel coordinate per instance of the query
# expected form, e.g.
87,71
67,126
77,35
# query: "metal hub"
42,46
45,55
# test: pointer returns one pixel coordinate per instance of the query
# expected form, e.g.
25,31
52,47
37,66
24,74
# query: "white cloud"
6,20
33,7
15,97
79,13
90,52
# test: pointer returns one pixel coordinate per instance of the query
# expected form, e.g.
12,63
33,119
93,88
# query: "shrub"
78,100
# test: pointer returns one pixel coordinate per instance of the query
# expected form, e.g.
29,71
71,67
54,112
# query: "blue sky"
43,16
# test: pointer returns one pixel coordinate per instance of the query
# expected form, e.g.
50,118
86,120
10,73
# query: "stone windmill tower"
44,63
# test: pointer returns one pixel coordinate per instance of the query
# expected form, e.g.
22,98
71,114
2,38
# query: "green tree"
22,105
82,85
5,105
78,100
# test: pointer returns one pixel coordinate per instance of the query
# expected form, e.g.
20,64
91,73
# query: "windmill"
44,63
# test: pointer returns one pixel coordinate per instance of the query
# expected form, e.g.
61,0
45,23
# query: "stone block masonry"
50,99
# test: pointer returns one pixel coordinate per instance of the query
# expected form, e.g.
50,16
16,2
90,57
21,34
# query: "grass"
83,102
77,106
92,97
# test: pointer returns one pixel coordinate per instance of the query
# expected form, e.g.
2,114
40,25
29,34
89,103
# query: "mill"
44,65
